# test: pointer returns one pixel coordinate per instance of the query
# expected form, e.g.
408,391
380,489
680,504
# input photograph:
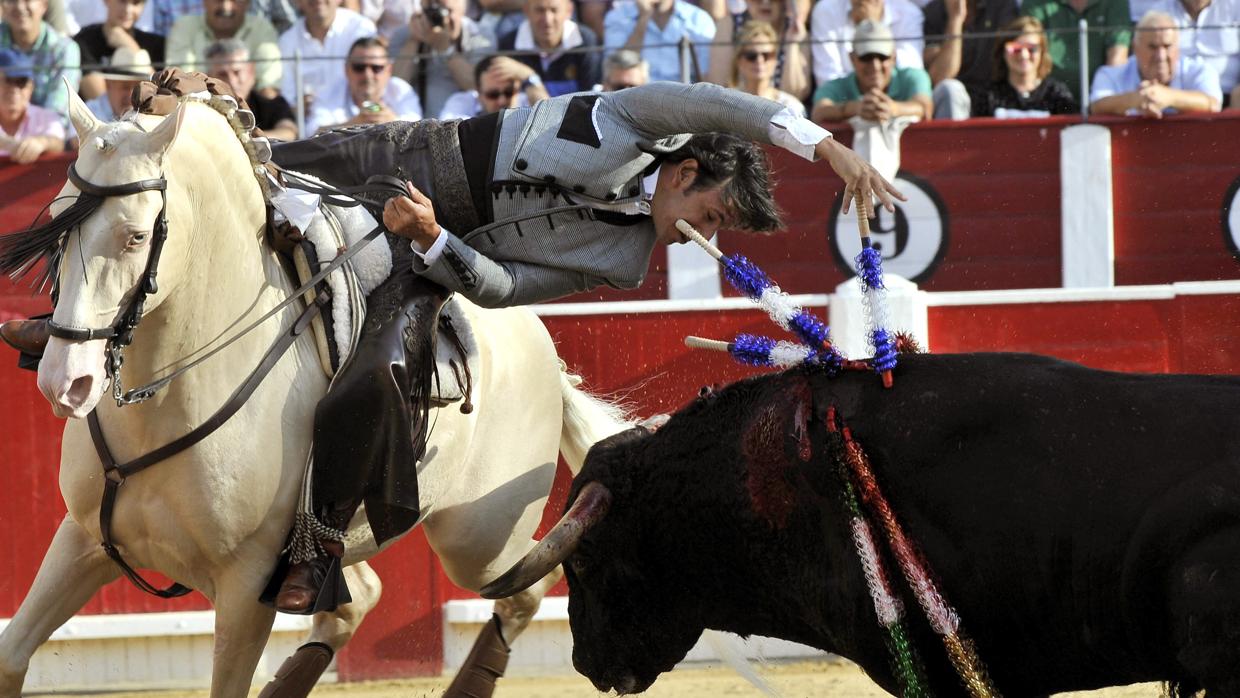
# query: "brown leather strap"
115,473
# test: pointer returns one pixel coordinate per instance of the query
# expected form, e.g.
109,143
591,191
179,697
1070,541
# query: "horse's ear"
79,114
165,133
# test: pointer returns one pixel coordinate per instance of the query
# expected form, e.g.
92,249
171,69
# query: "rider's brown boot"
27,336
305,579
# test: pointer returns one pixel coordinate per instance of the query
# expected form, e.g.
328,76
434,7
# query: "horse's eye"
138,238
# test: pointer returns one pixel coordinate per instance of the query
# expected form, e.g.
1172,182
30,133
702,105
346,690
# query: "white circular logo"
1231,219
912,240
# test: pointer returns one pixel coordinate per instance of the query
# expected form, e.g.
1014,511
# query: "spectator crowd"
327,63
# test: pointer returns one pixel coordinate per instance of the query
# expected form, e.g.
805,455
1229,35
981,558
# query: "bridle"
120,334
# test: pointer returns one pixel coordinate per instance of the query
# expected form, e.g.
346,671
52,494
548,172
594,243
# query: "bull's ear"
80,115
163,135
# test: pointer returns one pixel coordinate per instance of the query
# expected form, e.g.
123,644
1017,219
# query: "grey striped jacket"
554,162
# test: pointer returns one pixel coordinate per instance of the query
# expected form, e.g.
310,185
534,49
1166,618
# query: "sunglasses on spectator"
1015,47
375,68
869,57
752,56
19,83
506,93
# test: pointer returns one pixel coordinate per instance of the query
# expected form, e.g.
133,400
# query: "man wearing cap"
26,130
53,55
126,69
877,90
99,42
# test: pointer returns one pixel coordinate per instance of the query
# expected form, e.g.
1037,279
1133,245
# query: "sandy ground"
821,679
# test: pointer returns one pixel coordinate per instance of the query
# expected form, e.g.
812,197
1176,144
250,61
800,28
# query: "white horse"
215,516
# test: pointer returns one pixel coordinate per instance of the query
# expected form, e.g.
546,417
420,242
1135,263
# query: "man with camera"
437,51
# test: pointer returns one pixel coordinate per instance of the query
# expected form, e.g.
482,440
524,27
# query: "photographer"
437,51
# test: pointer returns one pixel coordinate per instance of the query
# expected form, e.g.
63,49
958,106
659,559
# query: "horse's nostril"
79,391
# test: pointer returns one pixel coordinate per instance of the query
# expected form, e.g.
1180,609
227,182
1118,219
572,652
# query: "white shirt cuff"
795,134
430,256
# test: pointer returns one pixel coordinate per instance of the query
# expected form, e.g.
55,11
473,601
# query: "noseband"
120,333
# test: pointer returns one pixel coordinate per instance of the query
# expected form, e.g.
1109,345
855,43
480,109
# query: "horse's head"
105,258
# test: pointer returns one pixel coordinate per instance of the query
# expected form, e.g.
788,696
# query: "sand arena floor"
818,679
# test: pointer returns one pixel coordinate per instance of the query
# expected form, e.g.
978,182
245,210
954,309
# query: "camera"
436,15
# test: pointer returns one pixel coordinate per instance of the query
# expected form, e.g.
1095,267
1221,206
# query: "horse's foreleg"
72,571
300,672
488,658
242,626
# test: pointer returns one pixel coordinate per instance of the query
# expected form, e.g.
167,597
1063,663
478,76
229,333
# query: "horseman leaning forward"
511,208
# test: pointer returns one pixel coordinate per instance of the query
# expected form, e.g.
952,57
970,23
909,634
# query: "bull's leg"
74,568
1204,600
488,658
300,672
242,626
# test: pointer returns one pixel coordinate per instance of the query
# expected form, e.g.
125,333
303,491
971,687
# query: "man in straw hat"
127,68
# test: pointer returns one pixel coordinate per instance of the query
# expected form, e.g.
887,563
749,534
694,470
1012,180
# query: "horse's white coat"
215,516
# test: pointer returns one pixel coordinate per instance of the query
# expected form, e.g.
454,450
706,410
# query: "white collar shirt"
1214,37
322,62
336,106
570,40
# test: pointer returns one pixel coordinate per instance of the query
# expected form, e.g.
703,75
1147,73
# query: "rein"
120,335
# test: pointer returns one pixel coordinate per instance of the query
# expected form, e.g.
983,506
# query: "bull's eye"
577,564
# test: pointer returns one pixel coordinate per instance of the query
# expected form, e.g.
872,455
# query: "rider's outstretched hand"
859,176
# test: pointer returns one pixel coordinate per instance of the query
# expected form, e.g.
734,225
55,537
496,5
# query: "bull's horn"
560,542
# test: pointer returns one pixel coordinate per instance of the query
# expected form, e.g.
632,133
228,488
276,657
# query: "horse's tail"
587,420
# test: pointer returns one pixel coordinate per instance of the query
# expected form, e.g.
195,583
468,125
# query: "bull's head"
661,539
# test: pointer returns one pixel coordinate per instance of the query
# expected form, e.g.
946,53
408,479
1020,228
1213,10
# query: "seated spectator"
545,42
368,94
753,66
499,17
792,68
592,13
98,42
325,32
1108,42
160,15
436,52
877,90
53,55
960,66
1157,80
502,84
126,69
226,19
1022,86
26,130
229,60
1210,30
640,24
833,23
624,69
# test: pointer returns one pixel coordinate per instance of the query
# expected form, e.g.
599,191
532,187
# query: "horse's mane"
20,252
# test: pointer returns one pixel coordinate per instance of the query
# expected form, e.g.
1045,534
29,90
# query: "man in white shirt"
1210,30
833,23
226,19
1157,80
368,94
325,32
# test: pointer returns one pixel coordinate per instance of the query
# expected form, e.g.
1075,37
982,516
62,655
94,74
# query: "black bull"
1085,524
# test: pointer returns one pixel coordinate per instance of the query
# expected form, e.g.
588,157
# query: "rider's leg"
74,568
369,434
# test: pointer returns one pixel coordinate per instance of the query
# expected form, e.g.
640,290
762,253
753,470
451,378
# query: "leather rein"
120,335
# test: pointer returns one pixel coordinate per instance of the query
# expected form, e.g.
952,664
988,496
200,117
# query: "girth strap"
115,473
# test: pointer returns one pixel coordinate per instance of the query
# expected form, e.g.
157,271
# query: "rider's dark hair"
740,167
